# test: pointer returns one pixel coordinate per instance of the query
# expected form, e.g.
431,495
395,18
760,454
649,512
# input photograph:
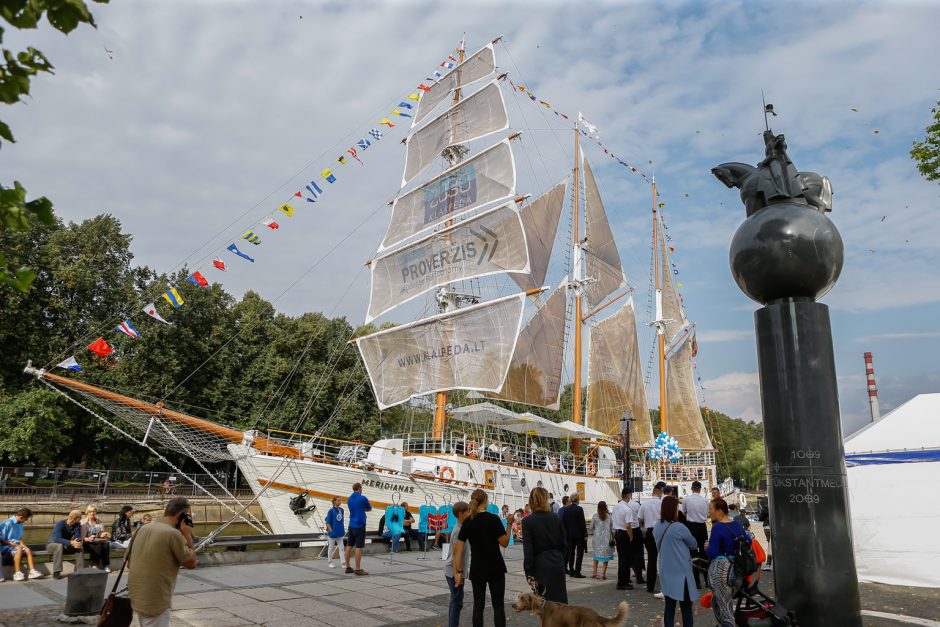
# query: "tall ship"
499,335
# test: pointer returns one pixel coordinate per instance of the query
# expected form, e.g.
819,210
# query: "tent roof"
529,424
915,425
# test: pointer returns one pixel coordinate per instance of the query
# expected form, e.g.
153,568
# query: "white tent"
893,471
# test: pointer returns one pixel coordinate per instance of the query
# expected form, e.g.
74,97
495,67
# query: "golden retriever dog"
554,614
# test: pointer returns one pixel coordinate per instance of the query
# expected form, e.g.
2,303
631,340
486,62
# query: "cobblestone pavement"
410,592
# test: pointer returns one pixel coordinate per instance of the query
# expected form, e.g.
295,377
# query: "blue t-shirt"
335,520
721,541
358,506
10,529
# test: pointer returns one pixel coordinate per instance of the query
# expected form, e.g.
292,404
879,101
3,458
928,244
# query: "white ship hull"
275,480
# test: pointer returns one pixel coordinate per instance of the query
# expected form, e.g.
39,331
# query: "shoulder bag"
117,611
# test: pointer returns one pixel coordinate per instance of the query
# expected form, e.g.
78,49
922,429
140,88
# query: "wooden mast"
440,400
660,326
576,243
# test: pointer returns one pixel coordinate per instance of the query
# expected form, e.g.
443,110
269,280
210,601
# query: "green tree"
17,70
927,152
752,467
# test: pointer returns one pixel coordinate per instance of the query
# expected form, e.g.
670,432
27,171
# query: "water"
39,535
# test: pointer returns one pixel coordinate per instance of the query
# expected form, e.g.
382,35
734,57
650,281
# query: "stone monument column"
785,255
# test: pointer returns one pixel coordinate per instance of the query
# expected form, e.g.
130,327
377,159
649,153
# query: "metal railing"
42,483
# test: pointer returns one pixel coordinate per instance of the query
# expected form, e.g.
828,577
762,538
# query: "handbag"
117,611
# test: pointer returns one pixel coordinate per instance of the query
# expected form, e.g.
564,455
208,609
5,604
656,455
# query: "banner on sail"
615,377
479,114
488,177
602,261
478,66
535,372
540,220
491,242
467,349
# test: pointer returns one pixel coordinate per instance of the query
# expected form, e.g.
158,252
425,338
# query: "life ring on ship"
473,449
592,468
447,473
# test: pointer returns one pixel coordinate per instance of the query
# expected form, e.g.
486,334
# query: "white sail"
540,219
683,415
615,377
487,177
468,349
476,116
535,372
476,67
488,243
602,261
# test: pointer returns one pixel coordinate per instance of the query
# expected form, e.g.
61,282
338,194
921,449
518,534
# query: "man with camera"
158,550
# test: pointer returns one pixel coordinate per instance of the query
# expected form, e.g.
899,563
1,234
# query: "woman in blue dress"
675,544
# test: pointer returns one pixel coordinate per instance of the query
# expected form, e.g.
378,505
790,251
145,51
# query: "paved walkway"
411,592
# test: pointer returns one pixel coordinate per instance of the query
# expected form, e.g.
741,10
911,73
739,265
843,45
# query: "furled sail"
535,372
475,116
615,378
488,177
468,349
540,219
488,243
478,66
601,259
683,415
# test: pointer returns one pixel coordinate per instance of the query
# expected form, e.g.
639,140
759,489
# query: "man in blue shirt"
66,538
356,538
335,530
11,543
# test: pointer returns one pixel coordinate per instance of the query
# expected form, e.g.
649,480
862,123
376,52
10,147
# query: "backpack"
745,560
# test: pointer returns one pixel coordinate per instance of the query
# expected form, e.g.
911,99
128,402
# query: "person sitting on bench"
11,543
66,539
410,532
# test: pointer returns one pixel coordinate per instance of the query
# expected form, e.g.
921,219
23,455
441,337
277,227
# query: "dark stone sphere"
786,250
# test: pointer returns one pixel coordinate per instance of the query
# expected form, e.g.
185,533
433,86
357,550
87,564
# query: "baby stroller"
753,608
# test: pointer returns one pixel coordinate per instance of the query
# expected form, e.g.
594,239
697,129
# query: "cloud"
897,336
723,335
736,394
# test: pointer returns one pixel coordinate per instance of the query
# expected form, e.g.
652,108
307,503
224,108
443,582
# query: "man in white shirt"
637,542
623,519
695,508
649,515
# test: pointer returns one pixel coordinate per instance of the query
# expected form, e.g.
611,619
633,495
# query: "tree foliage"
927,152
17,69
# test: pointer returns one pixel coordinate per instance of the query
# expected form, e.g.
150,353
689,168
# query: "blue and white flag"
70,364
376,133
363,144
233,248
128,329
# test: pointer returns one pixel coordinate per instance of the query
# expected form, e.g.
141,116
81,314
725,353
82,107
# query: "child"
462,512
335,530
11,543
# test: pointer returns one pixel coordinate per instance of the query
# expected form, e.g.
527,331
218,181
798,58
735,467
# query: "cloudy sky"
190,121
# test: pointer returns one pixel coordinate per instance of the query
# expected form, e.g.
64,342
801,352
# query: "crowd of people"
77,534
656,541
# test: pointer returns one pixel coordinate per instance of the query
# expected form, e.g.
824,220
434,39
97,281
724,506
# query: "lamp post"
627,472
785,255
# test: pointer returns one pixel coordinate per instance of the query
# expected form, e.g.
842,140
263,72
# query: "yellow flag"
414,97
287,209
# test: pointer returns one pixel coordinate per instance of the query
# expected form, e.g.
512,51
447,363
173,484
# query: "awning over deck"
490,414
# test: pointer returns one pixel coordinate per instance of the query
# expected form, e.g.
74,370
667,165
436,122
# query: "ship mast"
446,297
659,323
578,270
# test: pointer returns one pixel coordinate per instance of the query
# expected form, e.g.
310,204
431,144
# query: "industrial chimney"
872,388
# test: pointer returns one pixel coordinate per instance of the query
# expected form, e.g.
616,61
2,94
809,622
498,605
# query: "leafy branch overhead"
17,69
927,153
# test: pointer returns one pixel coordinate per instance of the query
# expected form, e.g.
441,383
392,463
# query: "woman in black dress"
543,547
486,534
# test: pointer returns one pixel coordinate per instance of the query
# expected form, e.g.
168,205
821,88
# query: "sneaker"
35,574
19,576
57,575
331,564
659,595
107,569
349,570
766,567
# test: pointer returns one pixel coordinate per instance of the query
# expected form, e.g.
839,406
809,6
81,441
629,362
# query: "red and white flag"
218,263
270,223
151,310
